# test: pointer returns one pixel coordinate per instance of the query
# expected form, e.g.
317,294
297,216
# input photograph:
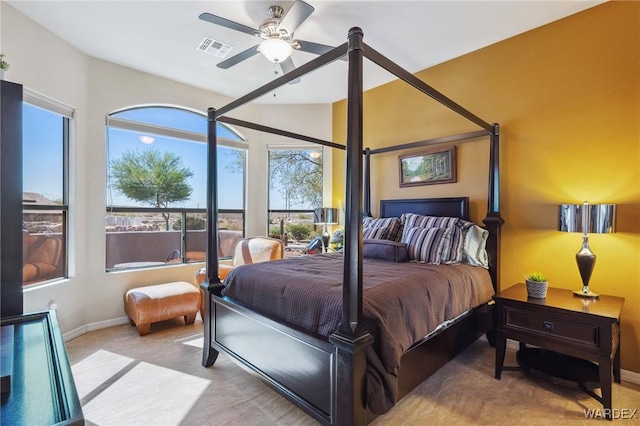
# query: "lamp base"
586,261
325,239
585,292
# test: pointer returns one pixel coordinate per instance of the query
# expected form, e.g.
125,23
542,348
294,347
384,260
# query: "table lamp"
325,216
586,218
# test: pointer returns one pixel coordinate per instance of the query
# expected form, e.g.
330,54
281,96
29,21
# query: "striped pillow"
456,248
388,228
434,245
412,220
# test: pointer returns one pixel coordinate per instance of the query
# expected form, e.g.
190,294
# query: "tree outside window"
295,179
152,178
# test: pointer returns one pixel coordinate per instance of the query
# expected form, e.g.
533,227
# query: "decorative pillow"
434,245
388,228
456,244
382,233
392,251
474,246
412,220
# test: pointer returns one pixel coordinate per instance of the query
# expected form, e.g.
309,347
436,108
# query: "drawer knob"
547,325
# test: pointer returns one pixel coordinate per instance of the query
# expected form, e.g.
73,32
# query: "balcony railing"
153,237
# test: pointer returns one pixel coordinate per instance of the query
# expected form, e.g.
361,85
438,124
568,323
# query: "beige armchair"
248,250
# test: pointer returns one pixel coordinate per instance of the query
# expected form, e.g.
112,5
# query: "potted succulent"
4,66
337,239
537,285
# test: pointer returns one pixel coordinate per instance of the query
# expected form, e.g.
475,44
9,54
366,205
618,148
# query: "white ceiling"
160,37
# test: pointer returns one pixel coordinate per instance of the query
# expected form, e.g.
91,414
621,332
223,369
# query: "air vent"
213,47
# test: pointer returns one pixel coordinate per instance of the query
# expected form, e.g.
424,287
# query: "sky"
42,153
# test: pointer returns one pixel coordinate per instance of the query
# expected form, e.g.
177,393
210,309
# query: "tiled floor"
125,379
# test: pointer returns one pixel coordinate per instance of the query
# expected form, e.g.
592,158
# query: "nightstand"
576,339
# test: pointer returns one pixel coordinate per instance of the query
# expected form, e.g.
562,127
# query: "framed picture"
428,168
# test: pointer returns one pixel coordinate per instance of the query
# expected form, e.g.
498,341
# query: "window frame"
67,113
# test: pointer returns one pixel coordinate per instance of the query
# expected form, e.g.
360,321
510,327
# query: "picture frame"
431,167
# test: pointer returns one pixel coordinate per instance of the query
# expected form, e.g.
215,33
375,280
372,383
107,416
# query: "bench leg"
144,329
190,319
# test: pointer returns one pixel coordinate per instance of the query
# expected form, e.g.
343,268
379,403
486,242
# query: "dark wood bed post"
352,338
212,283
366,208
494,221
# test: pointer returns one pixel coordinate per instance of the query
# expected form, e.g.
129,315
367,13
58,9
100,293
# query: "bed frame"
326,378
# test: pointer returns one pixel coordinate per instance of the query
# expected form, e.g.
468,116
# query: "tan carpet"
158,379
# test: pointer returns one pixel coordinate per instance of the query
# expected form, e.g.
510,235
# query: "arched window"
157,186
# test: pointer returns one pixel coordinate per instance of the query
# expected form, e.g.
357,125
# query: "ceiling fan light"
275,49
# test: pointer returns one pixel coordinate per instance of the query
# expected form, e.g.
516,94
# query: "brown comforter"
403,302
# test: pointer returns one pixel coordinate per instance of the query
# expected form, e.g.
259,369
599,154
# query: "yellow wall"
567,97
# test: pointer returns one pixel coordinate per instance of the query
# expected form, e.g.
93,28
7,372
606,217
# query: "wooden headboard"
453,207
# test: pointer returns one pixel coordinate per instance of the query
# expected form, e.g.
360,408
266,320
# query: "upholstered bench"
145,305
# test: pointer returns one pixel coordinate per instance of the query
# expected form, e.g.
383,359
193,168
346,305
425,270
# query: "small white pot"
537,289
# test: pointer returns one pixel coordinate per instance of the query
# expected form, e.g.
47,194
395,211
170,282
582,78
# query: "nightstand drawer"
549,326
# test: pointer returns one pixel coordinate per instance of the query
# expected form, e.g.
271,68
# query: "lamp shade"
275,49
600,218
325,215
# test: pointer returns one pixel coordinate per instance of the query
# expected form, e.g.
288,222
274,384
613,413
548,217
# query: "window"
295,189
45,205
157,186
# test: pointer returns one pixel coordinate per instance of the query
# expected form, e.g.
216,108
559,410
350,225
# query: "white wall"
48,65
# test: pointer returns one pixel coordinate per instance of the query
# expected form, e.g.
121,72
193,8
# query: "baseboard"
630,376
626,375
92,326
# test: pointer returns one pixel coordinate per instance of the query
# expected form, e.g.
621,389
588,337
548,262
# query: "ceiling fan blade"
228,24
234,60
287,66
297,14
316,48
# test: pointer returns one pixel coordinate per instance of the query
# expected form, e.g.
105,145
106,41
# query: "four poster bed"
340,334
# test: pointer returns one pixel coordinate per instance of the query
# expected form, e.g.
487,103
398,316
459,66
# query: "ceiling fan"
276,33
